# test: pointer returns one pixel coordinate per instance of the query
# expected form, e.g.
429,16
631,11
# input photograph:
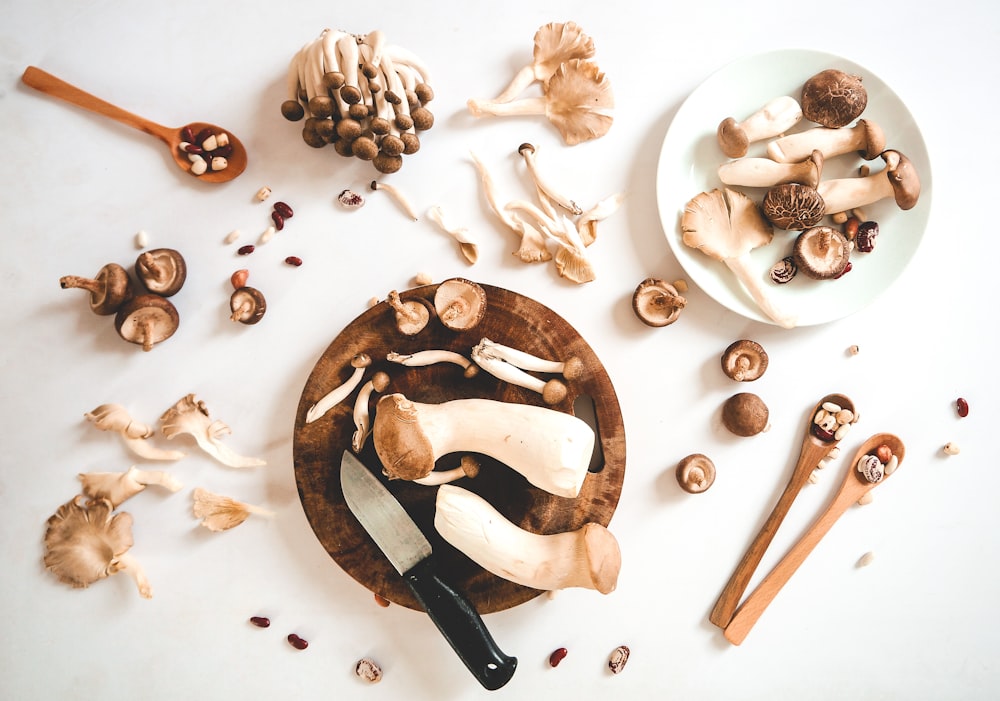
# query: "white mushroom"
588,557
764,172
466,243
552,450
532,248
339,393
432,357
114,417
898,180
552,391
191,417
776,117
362,412
116,487
571,369
865,137
220,513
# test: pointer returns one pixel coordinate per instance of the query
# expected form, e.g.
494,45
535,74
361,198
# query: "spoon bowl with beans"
187,144
876,459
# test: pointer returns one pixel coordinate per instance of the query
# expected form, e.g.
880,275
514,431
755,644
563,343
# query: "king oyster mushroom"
793,206
147,319
764,172
898,180
109,289
865,138
776,117
821,252
161,270
833,98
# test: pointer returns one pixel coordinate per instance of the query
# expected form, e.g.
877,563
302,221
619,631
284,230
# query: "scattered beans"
866,499
239,278
279,221
246,250
866,559
267,234
847,268
260,621
853,350
297,642
618,659
283,209
350,199
422,279
294,260
557,656
263,193
850,228
680,285
368,669
962,407
951,449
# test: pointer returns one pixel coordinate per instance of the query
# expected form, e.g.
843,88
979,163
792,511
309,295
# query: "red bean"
294,260
557,656
283,209
279,221
260,621
962,406
246,250
382,601
297,642
202,135
187,135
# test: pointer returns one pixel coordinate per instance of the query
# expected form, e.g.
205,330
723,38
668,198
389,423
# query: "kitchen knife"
408,550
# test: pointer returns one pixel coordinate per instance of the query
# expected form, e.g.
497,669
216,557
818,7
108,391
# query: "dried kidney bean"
294,260
297,642
283,209
260,621
246,250
962,407
557,656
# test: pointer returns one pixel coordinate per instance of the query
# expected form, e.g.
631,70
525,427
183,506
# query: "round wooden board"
510,319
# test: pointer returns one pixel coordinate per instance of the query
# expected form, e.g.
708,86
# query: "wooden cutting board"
510,319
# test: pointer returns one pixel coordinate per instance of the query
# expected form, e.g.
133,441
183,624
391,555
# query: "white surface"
920,622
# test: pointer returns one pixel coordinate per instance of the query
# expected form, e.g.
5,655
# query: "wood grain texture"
510,319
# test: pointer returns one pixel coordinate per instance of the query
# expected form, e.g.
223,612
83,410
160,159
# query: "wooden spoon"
855,486
50,85
813,450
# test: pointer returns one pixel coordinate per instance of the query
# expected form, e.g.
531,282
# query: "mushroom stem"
431,357
83,283
527,152
571,369
532,248
775,117
362,414
339,393
865,137
466,244
552,391
763,172
897,180
741,268
398,196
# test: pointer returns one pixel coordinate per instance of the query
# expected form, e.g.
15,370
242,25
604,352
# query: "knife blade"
409,551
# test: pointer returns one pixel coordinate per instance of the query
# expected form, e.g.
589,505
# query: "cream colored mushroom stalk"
191,416
511,365
115,417
339,393
550,449
116,487
588,557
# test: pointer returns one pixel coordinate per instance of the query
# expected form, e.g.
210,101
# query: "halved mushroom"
109,289
865,137
657,303
162,271
147,319
821,252
247,305
899,180
833,98
695,473
793,206
744,360
412,314
460,304
745,414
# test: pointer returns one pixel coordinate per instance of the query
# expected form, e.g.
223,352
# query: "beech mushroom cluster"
143,314
576,95
364,96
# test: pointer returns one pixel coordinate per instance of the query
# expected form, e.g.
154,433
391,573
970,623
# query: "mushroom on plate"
898,180
147,319
865,138
776,117
657,303
793,206
109,289
764,172
821,252
833,98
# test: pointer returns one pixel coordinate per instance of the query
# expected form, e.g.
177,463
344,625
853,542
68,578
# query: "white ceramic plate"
690,157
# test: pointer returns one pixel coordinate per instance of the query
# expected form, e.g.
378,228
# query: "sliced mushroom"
460,304
745,414
147,319
865,138
657,303
744,360
898,180
763,172
777,116
833,98
162,271
793,206
695,473
412,314
821,252
247,305
109,289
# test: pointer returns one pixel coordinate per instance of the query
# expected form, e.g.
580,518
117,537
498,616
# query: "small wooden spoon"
813,450
50,85
855,486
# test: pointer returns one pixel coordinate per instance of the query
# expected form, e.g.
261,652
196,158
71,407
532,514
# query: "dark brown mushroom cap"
161,270
400,442
874,139
793,206
745,414
833,98
292,110
821,252
657,303
695,473
109,289
744,360
460,304
732,139
903,177
247,305
147,319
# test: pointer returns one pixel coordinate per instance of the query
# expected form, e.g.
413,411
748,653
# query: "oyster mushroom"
695,473
220,513
109,289
527,152
744,360
793,206
114,417
86,542
657,303
161,270
833,98
776,117
466,243
578,101
247,305
821,252
460,304
745,414
191,417
555,43
147,319
116,487
898,180
865,138
763,172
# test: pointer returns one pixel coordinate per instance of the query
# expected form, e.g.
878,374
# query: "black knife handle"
461,626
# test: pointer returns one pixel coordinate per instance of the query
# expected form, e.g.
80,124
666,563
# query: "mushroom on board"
898,180
460,304
147,319
109,289
833,98
578,101
555,43
821,252
776,117
161,270
657,303
865,138
412,315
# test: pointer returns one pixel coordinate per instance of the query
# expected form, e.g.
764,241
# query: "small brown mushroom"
821,252
412,314
833,98
745,414
147,319
744,360
109,289
162,270
899,180
460,304
695,473
793,206
657,303
247,305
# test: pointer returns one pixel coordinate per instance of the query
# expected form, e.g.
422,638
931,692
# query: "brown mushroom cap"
695,473
821,252
745,414
460,304
793,206
147,319
903,178
732,138
109,289
85,539
162,271
833,98
744,360
247,305
400,442
657,303
874,139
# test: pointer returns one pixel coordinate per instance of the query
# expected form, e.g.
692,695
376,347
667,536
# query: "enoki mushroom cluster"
365,97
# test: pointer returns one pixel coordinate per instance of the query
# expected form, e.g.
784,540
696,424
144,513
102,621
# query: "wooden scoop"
813,450
727,225
50,85
855,486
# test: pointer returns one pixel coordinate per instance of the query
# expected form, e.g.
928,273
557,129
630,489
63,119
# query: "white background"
920,622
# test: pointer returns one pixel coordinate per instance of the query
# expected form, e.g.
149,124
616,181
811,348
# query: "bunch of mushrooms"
577,97
361,94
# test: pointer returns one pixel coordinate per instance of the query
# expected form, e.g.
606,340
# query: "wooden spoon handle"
50,85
